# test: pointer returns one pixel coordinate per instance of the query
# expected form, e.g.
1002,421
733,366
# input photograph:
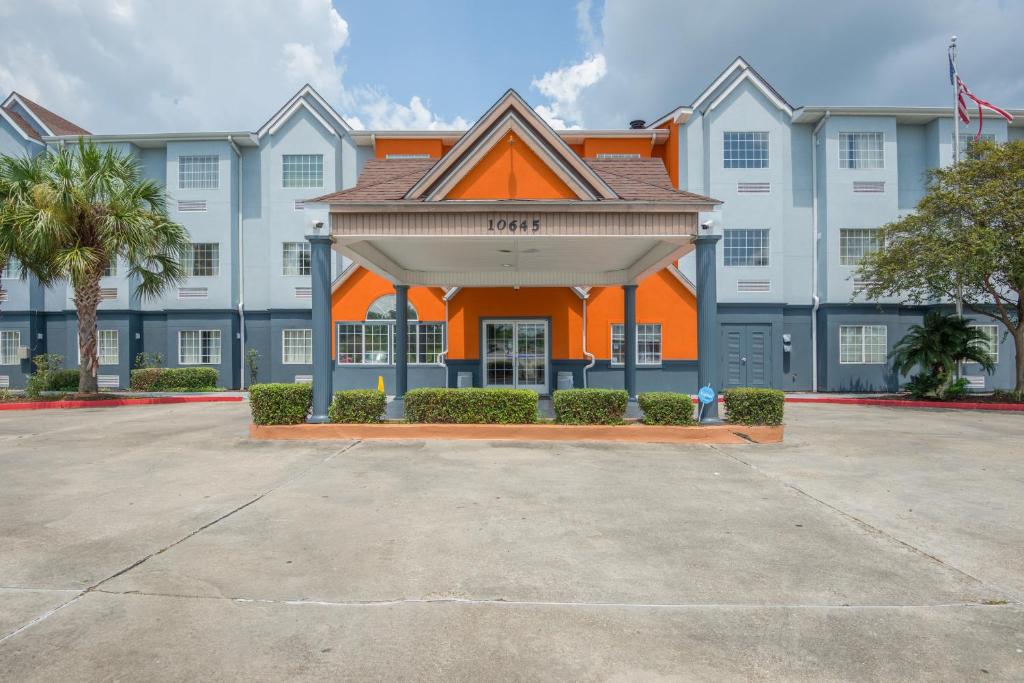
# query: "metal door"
746,356
516,354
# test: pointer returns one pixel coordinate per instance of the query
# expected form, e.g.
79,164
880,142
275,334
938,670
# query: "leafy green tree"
937,346
71,211
966,238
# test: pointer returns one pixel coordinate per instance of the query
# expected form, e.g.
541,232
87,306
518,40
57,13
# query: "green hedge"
174,379
471,406
754,406
666,408
280,404
590,406
62,380
357,405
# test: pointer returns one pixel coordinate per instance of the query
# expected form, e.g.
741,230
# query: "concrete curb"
115,402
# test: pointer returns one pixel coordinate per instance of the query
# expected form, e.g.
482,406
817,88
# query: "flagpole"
956,159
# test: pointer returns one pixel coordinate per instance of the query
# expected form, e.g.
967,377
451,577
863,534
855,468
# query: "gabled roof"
46,122
738,72
511,113
299,101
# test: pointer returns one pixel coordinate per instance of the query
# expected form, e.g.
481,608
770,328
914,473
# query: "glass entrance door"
516,354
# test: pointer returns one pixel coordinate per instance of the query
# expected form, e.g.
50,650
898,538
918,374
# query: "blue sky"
123,66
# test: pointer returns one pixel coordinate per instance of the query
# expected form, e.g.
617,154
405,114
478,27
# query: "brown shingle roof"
630,179
23,124
58,124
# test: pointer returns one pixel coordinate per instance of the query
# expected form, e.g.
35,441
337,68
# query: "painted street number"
503,225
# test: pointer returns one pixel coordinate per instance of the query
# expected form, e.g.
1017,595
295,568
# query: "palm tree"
943,341
70,212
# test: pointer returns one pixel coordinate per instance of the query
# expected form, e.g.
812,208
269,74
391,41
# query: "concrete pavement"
157,542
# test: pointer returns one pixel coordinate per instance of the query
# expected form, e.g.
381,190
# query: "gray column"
629,337
323,369
707,320
401,340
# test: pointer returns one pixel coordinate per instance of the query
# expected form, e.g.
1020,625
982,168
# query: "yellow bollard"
380,383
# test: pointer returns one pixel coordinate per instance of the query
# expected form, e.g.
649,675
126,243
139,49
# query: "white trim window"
199,172
111,269
855,244
863,344
203,260
9,271
107,347
199,347
10,340
746,247
302,170
297,347
967,138
648,344
296,259
745,149
373,343
862,150
991,342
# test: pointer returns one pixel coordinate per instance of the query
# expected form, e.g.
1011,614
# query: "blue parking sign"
706,395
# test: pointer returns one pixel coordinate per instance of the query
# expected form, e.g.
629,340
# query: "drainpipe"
815,300
588,354
241,271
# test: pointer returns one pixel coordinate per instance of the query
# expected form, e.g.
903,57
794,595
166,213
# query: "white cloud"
563,87
134,65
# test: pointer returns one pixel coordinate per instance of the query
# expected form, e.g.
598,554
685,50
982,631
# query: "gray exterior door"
746,356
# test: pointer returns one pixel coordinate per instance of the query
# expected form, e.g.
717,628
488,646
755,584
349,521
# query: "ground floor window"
991,342
199,347
648,344
297,347
107,347
863,344
373,343
10,340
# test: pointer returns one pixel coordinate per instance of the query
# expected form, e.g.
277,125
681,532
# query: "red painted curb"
894,403
114,402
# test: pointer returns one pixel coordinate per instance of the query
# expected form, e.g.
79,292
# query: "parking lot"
158,542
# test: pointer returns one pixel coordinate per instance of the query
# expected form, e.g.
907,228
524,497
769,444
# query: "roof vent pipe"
637,124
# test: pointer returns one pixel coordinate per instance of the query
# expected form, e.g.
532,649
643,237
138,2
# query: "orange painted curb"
718,434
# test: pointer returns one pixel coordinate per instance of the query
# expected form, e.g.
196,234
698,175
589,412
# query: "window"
204,261
10,340
297,347
302,170
855,244
199,347
648,344
199,172
384,308
991,342
746,247
373,343
745,150
863,344
9,270
967,138
111,269
861,150
296,258
106,347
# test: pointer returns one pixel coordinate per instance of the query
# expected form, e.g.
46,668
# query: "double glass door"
516,354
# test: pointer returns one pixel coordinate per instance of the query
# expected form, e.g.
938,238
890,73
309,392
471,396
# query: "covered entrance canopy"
511,204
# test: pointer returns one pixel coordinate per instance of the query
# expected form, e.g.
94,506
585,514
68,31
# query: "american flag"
963,94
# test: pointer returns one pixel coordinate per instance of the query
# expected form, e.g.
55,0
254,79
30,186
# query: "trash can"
565,380
464,380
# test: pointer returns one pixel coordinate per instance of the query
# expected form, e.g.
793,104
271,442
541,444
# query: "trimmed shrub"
280,404
666,408
174,379
751,406
590,406
62,380
471,406
357,405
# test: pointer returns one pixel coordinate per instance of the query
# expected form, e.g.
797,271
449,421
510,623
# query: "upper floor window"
111,269
302,170
747,149
9,270
990,344
861,150
10,340
295,257
746,247
199,172
855,244
863,344
199,347
648,344
967,138
203,260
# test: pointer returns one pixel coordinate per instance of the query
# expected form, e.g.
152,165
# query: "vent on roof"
860,285
753,188
303,379
868,186
636,124
618,155
108,293
753,286
192,293
406,156
108,381
300,205
975,382
303,292
5,381
191,205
